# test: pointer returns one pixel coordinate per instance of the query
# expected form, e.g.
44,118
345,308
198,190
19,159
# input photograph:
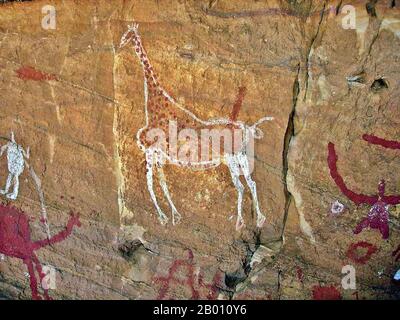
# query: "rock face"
328,75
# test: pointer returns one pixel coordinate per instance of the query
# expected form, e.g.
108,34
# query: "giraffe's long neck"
150,76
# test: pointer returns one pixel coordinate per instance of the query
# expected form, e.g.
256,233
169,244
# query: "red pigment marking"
326,293
15,242
300,274
353,252
355,197
382,142
29,73
238,104
378,216
188,281
396,254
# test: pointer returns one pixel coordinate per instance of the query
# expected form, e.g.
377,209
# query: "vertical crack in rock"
338,7
289,134
310,51
370,7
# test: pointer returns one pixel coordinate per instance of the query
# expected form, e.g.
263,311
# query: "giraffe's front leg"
244,164
149,176
176,217
234,169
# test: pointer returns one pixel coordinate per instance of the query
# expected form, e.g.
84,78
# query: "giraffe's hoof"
176,218
11,196
163,220
260,221
239,224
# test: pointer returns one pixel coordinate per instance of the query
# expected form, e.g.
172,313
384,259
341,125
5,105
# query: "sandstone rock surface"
77,100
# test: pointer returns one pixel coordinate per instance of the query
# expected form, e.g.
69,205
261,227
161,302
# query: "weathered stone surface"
77,100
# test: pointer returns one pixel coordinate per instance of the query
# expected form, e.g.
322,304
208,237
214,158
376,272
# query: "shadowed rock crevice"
289,135
370,7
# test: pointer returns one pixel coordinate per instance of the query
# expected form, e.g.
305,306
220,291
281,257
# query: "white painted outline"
156,157
17,160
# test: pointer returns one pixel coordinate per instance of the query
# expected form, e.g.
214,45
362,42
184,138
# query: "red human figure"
15,242
378,216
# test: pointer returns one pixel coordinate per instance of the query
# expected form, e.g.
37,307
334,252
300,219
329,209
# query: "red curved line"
390,144
355,197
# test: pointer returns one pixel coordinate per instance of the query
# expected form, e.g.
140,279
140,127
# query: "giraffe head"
129,35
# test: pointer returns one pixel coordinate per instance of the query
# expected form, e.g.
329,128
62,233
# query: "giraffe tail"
255,131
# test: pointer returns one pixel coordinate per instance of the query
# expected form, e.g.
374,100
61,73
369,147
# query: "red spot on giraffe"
326,293
353,253
29,73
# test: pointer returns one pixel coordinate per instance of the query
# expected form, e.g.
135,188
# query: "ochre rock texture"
77,99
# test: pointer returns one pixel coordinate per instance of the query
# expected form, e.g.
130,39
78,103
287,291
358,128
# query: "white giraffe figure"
16,158
160,108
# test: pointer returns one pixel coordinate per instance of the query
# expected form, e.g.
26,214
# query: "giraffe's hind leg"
176,217
234,169
149,176
244,165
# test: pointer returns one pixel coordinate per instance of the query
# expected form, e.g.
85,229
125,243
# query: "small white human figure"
15,159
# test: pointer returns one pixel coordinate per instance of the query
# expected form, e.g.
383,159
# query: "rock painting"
337,208
326,293
16,242
16,156
17,160
388,144
194,283
355,252
378,216
163,112
29,73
